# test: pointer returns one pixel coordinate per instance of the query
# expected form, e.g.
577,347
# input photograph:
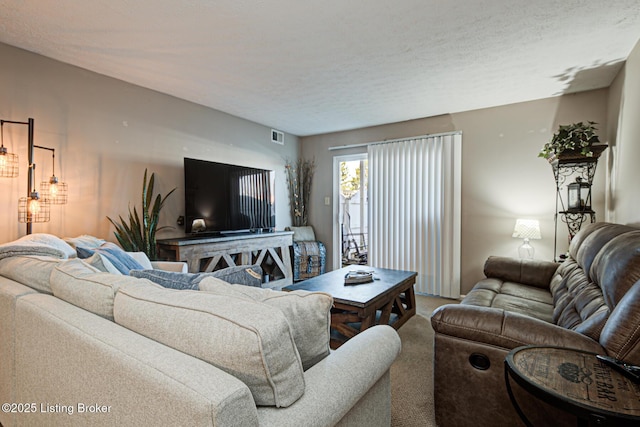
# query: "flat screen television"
223,198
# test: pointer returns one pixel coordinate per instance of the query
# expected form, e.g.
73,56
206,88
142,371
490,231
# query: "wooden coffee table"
389,299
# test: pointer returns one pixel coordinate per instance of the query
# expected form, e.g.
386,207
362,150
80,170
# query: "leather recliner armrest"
497,327
526,271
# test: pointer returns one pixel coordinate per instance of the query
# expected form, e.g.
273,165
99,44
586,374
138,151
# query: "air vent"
277,137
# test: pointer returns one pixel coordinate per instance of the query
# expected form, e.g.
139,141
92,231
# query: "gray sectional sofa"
65,362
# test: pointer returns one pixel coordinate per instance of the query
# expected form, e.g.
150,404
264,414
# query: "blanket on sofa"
37,244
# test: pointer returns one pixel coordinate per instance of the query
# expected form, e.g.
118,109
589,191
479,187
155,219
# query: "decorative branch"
299,180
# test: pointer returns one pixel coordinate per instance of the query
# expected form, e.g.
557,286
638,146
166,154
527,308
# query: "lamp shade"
8,164
55,192
33,209
527,229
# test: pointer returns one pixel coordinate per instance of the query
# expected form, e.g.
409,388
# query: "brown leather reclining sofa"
591,302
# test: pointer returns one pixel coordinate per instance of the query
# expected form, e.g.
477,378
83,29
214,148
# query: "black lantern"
579,193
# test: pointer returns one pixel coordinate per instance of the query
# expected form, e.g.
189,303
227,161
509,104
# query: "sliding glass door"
351,210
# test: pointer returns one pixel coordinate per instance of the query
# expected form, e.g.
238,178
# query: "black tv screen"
227,198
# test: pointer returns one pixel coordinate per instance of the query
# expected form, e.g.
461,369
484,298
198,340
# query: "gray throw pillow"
168,279
249,275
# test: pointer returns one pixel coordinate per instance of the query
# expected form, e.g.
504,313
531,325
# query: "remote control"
630,371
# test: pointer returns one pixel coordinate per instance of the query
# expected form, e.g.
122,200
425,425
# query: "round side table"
576,382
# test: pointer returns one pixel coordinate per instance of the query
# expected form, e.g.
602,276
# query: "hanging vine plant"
299,180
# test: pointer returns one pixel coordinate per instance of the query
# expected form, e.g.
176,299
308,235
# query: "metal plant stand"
580,167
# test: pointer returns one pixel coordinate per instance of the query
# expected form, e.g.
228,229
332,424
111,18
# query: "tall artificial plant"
139,234
299,179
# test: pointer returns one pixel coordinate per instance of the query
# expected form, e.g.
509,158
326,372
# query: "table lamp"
526,229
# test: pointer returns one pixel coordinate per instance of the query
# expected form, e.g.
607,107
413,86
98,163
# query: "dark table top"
385,280
575,381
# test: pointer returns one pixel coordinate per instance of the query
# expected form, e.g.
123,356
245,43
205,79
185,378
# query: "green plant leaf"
139,232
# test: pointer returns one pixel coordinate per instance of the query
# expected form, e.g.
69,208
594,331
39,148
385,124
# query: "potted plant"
573,141
139,235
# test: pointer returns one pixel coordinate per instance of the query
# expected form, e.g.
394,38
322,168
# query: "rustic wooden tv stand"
270,250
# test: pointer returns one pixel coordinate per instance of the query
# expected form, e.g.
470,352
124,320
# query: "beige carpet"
412,372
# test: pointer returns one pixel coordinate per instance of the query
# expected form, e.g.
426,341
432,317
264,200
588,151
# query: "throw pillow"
168,279
308,314
84,241
246,339
303,233
250,275
84,286
142,259
121,260
101,262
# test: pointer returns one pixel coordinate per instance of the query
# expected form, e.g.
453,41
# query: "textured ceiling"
315,66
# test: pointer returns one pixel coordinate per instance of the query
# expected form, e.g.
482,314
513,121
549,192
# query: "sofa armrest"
176,266
497,327
339,382
526,271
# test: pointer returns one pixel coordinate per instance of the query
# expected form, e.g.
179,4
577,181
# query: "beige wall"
502,177
106,132
624,196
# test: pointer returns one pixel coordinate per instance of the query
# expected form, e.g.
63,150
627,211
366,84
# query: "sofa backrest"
603,265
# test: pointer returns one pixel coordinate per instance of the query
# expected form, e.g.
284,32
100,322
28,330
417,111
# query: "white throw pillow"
143,259
85,241
246,339
308,314
303,233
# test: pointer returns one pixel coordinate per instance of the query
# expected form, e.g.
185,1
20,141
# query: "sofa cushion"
604,264
616,268
249,340
590,240
515,297
621,334
32,271
84,286
250,275
578,303
120,259
308,314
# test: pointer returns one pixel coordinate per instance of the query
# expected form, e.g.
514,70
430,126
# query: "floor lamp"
32,208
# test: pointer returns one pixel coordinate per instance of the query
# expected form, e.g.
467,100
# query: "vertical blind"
414,210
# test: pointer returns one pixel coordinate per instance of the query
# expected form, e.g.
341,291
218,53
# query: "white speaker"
277,137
